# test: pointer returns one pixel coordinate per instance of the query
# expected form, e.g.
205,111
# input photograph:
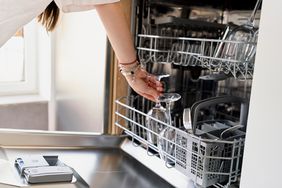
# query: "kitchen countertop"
99,167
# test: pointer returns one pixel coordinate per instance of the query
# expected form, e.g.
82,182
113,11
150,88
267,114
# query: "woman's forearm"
118,31
119,35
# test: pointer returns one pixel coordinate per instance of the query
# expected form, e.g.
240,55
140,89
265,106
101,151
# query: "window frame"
30,84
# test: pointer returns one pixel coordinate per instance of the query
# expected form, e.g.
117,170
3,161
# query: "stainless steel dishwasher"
205,54
202,147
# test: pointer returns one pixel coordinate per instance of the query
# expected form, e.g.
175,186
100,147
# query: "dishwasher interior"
204,54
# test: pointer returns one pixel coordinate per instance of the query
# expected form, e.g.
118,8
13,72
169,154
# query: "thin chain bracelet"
130,63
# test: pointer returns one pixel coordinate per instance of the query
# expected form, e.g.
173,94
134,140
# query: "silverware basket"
208,161
204,156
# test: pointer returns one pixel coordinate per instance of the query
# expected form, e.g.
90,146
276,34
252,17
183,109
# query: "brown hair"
50,16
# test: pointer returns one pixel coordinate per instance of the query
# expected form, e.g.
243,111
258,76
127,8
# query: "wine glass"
159,133
158,112
166,139
240,43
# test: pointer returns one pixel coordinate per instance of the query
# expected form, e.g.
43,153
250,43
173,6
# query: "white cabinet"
262,158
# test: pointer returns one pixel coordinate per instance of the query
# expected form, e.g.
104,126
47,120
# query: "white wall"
80,52
33,115
263,153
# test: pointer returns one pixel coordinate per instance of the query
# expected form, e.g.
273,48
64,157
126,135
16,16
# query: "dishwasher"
204,54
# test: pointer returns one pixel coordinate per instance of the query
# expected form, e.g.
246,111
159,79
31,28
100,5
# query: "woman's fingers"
153,79
146,85
153,92
148,97
150,93
159,88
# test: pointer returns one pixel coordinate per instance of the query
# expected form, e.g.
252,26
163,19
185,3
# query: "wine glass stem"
168,112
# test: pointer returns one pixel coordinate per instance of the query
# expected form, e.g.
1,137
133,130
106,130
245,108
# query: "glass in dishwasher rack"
165,147
206,157
160,113
198,52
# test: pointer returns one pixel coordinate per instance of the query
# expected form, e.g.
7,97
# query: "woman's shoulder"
80,5
14,14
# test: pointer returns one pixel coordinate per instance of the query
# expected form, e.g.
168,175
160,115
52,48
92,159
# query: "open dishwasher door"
104,164
191,42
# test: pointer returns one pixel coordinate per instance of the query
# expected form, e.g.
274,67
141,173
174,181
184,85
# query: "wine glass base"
169,97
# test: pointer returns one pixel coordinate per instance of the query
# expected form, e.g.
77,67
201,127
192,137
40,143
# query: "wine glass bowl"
239,46
244,49
158,112
166,145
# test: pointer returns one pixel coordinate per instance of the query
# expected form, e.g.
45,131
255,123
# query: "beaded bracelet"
129,69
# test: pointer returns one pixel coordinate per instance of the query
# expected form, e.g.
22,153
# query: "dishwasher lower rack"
208,162
231,57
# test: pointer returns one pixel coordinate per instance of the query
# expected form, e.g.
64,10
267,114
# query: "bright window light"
19,61
12,59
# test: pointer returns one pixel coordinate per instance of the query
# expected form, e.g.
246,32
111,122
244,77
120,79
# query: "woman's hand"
145,84
119,35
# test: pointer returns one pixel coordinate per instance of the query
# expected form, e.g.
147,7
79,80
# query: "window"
66,72
18,62
11,59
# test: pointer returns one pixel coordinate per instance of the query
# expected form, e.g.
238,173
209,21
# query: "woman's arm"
118,31
119,35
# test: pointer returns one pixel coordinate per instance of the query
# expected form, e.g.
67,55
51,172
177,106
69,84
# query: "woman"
16,13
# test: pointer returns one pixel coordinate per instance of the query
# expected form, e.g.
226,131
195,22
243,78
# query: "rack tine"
133,143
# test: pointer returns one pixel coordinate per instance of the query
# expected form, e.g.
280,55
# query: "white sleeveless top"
16,13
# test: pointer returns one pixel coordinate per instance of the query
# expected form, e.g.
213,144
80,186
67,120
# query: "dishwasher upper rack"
207,162
203,52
